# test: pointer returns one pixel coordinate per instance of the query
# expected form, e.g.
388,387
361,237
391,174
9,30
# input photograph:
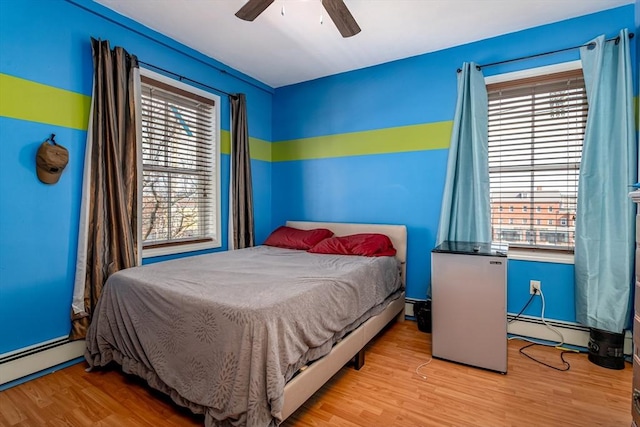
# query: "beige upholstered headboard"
397,234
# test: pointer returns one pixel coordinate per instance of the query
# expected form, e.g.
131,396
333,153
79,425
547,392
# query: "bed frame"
310,380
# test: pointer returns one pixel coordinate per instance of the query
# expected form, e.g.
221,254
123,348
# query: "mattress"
222,333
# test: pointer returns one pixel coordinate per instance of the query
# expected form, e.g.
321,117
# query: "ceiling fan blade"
341,16
252,9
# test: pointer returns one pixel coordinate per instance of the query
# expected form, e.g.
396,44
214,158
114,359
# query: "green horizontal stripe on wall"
27,100
258,148
225,142
430,136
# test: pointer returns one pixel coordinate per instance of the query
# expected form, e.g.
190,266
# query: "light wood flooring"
385,392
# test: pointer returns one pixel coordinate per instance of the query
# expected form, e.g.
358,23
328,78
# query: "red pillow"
332,245
293,238
365,244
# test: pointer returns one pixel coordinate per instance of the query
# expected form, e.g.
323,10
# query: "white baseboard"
18,366
573,333
532,327
408,308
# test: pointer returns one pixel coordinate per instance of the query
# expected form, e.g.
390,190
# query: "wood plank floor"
385,392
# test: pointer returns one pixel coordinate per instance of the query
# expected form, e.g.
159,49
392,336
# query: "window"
552,237
538,210
510,235
180,174
563,222
531,236
510,208
536,128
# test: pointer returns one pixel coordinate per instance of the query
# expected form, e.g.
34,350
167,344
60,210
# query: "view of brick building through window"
546,220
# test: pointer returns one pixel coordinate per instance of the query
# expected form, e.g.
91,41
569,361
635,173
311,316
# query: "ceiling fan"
336,9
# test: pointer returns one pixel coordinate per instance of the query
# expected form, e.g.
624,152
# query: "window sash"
179,166
536,129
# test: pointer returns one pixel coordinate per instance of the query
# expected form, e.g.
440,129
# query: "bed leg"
400,316
358,360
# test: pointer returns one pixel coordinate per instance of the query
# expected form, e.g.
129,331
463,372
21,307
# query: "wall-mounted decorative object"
51,160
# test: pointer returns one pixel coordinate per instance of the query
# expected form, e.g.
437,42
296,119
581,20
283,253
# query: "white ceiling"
281,50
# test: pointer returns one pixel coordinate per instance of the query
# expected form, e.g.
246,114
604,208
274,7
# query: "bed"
245,337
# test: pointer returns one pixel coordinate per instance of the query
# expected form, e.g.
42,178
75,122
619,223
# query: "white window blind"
536,129
178,148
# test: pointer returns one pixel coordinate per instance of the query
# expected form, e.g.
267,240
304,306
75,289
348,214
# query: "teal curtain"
465,214
605,215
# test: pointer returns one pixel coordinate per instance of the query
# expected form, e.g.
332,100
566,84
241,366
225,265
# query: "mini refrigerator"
469,304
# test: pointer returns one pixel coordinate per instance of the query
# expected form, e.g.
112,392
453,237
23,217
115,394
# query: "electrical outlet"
533,286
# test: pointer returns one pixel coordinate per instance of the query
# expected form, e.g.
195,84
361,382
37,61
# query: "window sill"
179,249
539,255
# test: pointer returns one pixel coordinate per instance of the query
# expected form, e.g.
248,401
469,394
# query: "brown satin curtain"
112,190
241,186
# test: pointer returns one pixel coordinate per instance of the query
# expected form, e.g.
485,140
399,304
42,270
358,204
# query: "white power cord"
424,364
551,328
547,325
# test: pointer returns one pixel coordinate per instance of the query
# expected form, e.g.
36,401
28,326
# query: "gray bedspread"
222,333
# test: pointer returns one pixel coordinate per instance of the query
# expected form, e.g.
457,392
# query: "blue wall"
48,42
406,188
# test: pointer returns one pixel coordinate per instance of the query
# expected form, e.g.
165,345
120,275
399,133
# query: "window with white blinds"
536,129
179,162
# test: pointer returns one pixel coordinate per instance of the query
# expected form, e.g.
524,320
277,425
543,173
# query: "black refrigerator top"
473,248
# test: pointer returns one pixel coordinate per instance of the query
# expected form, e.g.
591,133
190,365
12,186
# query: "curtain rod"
183,78
154,39
589,45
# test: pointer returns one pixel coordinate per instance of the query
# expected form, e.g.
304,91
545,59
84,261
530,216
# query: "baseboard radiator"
39,357
533,327
408,306
573,333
